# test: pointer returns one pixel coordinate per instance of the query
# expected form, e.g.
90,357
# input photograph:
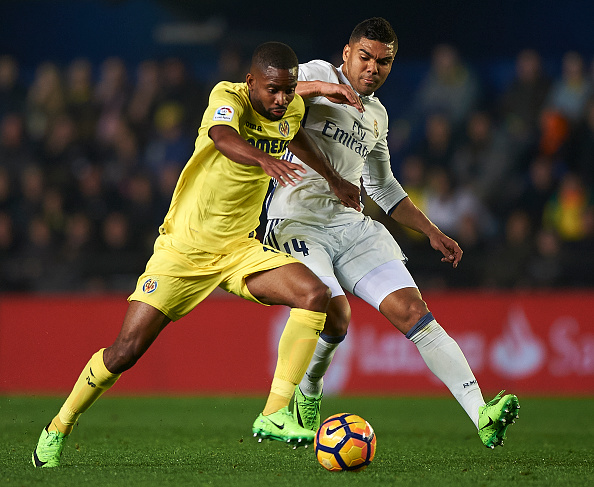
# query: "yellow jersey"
217,202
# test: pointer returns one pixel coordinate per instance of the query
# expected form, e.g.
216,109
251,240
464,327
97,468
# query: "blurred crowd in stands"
89,157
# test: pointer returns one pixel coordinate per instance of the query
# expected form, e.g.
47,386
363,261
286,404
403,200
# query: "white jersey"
355,144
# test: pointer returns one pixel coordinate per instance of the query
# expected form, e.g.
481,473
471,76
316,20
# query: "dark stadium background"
36,30
488,33
534,337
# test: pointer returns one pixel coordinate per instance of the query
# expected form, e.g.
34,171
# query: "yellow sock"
94,380
295,349
57,425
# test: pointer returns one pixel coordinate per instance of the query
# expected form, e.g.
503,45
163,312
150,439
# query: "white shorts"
361,257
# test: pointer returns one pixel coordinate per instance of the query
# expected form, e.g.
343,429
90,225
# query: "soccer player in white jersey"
349,250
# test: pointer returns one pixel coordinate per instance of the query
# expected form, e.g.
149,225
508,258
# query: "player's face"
367,64
272,90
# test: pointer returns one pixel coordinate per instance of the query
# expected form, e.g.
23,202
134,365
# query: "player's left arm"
306,150
408,214
335,92
387,192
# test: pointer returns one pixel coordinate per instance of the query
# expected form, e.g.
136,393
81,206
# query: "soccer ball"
344,441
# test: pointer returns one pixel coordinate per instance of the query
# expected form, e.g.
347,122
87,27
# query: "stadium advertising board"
539,343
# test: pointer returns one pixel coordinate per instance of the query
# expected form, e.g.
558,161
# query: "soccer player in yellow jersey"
207,240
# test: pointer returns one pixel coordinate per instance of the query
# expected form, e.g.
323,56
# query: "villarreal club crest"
283,128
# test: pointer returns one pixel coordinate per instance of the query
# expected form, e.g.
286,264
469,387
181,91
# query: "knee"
120,357
337,319
320,297
315,296
405,313
414,311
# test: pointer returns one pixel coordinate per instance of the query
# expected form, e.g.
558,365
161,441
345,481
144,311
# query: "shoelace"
310,405
495,399
54,441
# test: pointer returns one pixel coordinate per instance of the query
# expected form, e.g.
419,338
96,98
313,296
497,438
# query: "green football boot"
49,449
306,410
495,417
281,426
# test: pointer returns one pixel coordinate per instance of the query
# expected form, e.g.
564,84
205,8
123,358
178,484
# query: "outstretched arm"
306,149
409,215
335,92
233,146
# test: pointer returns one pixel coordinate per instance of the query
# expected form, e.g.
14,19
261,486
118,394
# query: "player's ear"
250,80
345,52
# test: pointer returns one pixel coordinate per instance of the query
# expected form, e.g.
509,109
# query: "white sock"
312,383
445,359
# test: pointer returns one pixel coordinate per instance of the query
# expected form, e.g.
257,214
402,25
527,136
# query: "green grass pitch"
200,441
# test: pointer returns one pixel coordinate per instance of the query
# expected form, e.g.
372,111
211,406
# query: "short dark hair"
276,55
374,29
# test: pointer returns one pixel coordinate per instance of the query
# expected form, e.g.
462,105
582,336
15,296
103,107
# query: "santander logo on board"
517,352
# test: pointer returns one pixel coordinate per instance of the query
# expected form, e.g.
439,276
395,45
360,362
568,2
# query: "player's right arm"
229,143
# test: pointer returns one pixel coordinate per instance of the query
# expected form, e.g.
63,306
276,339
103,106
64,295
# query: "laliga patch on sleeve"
224,113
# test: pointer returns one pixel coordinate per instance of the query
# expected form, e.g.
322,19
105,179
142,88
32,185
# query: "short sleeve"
317,70
225,107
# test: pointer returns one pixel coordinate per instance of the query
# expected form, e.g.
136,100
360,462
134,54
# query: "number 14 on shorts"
298,246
